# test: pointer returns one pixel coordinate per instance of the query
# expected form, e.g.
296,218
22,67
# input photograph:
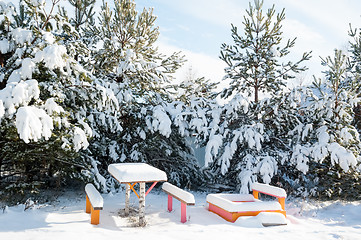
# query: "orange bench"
94,203
232,206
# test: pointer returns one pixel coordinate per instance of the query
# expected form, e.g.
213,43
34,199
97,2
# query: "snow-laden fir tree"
246,138
327,145
44,97
354,68
125,57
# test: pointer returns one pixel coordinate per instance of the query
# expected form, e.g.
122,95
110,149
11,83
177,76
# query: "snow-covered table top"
136,172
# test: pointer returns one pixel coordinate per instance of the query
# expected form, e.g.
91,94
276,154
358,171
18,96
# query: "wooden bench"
94,203
273,191
184,197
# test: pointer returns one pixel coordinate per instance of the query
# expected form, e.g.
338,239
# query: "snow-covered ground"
66,219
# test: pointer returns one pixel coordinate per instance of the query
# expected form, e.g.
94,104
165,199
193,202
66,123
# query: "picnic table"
132,173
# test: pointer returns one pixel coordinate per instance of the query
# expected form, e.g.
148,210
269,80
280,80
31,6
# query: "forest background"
81,89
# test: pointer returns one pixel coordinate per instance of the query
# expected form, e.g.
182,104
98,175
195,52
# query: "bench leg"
183,212
88,205
94,218
282,201
170,203
255,194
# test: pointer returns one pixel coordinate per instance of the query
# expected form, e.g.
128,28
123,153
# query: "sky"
198,29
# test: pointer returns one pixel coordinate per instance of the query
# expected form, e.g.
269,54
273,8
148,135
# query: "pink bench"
184,197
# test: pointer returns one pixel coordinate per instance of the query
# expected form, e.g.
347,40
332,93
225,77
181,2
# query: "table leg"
142,204
127,196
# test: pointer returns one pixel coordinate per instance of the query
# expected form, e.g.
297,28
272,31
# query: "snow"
52,107
94,196
272,218
241,202
270,190
33,123
136,172
27,67
16,94
52,56
4,46
15,77
214,143
179,193
161,121
22,36
339,155
2,110
80,140
66,219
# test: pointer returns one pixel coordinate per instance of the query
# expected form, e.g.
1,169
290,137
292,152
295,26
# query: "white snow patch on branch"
161,121
215,141
33,123
2,110
21,35
52,56
27,67
4,46
52,107
16,94
80,140
340,155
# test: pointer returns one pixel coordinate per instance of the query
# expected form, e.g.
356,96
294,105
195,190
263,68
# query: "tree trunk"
256,94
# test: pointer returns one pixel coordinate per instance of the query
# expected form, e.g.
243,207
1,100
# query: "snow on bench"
94,203
273,191
184,197
269,190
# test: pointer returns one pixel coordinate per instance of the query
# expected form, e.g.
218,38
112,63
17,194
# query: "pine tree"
254,61
247,141
193,87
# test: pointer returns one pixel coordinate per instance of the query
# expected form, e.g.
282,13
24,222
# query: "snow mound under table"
271,219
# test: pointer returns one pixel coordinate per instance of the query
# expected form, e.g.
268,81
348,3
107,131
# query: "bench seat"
94,203
181,195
